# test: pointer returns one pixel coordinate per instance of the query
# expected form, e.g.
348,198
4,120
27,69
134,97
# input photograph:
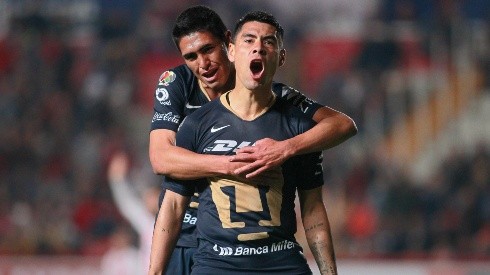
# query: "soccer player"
247,226
202,39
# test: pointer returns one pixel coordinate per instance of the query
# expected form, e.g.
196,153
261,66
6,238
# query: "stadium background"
410,193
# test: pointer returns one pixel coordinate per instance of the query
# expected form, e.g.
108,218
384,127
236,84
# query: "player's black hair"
196,19
259,16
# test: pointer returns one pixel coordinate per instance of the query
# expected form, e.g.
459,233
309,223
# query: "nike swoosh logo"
214,130
188,106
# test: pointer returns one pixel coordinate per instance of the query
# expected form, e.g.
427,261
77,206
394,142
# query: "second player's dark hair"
259,16
198,18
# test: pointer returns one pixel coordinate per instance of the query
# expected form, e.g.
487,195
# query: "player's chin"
252,85
215,84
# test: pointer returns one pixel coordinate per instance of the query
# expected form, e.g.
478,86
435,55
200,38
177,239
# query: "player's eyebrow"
245,35
265,37
201,49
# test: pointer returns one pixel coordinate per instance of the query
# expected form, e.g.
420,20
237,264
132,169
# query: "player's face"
206,56
257,54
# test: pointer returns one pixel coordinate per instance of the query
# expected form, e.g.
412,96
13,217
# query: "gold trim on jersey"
225,100
248,198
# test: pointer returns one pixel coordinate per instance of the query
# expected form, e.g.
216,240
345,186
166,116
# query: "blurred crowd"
76,86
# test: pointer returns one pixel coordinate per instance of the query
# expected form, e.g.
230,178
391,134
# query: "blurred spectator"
139,210
120,258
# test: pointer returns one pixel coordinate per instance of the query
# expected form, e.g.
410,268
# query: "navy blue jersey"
177,95
248,222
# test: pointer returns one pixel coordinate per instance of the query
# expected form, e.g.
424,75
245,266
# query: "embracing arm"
317,230
179,163
167,230
332,128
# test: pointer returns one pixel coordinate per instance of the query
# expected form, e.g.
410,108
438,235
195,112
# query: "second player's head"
202,39
199,19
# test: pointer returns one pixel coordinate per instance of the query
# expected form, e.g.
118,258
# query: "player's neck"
248,105
216,92
208,92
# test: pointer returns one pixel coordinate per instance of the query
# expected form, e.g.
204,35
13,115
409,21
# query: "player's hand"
118,167
265,154
233,165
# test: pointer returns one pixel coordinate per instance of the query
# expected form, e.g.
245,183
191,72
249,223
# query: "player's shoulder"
283,90
177,82
294,97
285,107
201,117
181,72
291,113
213,106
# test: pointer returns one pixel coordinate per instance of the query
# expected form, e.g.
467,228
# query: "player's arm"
128,202
165,158
317,229
332,128
179,163
167,230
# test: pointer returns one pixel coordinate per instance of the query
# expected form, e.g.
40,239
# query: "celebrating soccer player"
248,225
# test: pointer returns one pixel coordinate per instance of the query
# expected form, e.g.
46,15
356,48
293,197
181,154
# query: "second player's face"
206,56
257,54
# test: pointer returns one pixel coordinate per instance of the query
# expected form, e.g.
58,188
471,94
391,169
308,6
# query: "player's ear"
282,57
231,52
228,38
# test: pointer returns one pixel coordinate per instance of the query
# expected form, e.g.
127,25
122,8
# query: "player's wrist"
220,165
291,147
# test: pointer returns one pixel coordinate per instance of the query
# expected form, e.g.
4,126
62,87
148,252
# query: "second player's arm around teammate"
205,54
332,129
